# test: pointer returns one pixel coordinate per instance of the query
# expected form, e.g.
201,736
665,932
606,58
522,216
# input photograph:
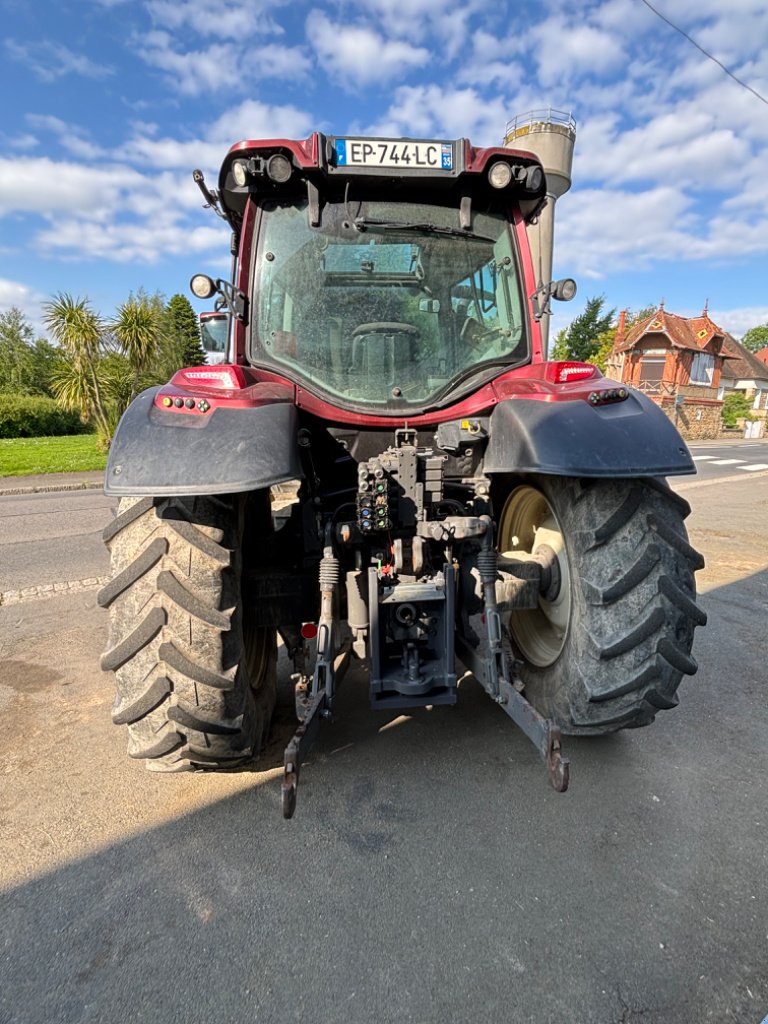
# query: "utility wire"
706,53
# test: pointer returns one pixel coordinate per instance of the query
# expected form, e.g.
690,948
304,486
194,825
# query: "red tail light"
563,372
226,376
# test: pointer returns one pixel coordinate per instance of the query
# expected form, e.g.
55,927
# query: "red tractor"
460,499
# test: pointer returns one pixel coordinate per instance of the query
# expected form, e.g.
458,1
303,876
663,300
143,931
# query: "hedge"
36,416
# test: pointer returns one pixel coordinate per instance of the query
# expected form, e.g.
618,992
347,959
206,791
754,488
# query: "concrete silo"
550,134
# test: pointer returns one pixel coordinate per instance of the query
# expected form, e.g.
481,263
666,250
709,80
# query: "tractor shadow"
430,872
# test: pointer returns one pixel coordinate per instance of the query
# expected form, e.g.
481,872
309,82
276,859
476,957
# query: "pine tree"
185,330
581,339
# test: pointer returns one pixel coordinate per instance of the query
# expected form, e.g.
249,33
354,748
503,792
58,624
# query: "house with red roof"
678,362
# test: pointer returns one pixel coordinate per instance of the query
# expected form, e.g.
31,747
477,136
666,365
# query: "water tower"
550,134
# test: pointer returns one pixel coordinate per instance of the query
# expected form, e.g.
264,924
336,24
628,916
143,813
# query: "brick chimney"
620,331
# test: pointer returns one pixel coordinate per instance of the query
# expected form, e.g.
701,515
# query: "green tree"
605,343
580,339
560,348
179,343
136,329
26,363
79,331
185,328
756,338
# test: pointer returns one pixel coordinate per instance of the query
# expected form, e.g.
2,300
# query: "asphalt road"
430,874
730,459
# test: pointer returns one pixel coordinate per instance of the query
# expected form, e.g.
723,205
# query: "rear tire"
195,679
608,649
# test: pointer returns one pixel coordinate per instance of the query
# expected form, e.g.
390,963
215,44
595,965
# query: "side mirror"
214,330
429,305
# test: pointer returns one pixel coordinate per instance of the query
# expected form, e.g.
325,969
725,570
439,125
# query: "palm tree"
79,331
137,329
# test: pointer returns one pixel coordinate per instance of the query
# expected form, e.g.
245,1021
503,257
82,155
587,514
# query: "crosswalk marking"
727,462
755,467
702,458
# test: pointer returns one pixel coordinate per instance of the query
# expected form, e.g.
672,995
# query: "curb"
46,590
87,485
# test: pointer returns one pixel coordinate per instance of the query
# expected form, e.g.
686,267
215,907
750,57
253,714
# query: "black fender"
161,452
629,438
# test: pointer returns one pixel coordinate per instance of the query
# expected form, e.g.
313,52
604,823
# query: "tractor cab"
386,276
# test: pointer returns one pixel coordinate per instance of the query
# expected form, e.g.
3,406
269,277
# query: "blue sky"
110,104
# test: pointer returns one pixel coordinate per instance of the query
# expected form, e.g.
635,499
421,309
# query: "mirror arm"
211,198
541,300
232,299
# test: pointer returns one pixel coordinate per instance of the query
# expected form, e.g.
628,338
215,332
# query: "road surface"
430,873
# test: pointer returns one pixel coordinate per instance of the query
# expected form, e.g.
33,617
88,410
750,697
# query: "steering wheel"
473,332
385,327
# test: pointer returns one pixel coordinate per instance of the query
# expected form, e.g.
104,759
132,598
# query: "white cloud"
431,112
443,25
129,242
50,61
227,19
121,213
191,72
27,299
680,147
14,293
357,55
46,187
229,65
256,120
249,120
600,231
23,142
580,49
738,321
71,136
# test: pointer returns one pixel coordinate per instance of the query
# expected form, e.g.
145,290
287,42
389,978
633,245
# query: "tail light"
226,376
565,372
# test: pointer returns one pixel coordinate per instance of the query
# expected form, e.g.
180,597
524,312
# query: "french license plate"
403,155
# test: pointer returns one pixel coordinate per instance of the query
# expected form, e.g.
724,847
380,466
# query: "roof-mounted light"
279,168
240,172
534,179
500,174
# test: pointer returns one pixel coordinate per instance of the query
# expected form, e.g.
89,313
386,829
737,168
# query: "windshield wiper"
366,223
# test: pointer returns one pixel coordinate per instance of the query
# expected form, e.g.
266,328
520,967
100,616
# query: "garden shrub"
36,416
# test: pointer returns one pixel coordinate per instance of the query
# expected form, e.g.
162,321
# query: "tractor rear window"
386,304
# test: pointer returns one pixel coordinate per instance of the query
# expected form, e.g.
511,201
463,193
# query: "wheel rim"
527,524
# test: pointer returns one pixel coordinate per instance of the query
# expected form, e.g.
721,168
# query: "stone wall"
696,421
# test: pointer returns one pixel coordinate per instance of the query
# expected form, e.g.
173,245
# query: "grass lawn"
23,456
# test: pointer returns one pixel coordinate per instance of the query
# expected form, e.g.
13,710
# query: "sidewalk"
91,481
